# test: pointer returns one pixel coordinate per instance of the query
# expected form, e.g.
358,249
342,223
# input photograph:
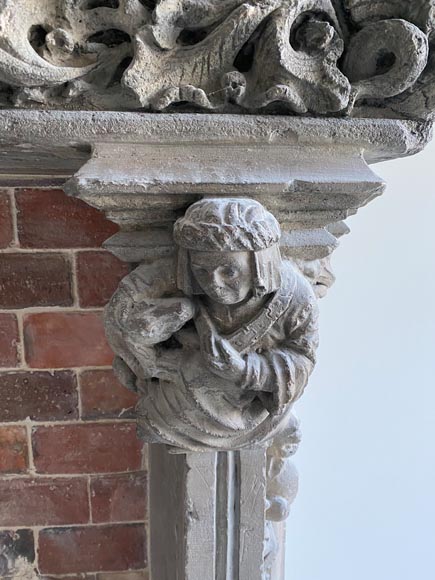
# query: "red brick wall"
72,484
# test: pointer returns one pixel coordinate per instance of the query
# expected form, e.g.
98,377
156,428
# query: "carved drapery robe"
183,404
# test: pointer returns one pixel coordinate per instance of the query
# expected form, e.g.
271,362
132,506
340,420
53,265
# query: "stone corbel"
228,218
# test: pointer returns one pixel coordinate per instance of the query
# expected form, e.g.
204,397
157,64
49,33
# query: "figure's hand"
151,321
168,364
223,359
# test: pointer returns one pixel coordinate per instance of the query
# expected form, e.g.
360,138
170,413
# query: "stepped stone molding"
354,58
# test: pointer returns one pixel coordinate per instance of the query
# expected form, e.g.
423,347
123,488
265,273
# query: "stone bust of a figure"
221,339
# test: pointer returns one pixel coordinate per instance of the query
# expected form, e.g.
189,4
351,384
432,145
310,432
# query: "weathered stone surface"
17,554
215,502
51,146
232,56
222,345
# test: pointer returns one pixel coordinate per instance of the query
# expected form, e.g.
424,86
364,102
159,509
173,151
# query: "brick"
39,395
9,340
34,280
98,276
103,396
139,575
51,219
87,448
6,228
13,450
119,498
65,340
43,501
17,554
92,549
69,577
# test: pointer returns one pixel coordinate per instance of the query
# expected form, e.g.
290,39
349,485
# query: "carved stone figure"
348,57
282,487
318,272
221,343
282,478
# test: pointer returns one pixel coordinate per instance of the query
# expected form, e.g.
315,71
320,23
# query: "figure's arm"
281,373
139,317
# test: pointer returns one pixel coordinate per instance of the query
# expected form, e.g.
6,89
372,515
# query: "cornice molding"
342,58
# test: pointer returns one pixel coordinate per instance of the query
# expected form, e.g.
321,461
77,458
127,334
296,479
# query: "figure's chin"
229,300
225,301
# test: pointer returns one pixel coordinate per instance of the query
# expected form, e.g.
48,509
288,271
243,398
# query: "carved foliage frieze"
318,57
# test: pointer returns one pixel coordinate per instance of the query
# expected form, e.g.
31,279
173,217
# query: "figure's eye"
229,272
201,272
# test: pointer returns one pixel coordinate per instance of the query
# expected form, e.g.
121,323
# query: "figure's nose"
216,280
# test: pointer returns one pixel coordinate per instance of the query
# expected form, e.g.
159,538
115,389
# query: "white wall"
366,506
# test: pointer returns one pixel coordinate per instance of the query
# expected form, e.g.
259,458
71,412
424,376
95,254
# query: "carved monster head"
228,250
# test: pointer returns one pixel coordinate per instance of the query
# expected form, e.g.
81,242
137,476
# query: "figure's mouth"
222,293
226,297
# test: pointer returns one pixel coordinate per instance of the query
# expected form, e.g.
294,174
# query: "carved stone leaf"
418,12
409,50
192,74
20,63
395,54
299,46
76,46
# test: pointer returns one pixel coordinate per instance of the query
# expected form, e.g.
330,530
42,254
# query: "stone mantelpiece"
230,202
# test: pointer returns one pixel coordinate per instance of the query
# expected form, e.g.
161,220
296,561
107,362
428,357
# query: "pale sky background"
366,505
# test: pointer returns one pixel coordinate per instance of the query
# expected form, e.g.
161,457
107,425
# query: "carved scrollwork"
317,57
221,341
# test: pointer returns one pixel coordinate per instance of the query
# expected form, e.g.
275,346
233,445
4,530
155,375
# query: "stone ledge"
48,147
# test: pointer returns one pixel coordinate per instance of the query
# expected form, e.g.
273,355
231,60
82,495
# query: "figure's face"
226,277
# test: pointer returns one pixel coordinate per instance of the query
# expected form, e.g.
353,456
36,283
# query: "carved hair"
230,225
227,225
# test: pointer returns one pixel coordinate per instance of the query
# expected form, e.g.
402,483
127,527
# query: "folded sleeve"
280,374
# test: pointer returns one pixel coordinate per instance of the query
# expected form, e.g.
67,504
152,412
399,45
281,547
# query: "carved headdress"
230,225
